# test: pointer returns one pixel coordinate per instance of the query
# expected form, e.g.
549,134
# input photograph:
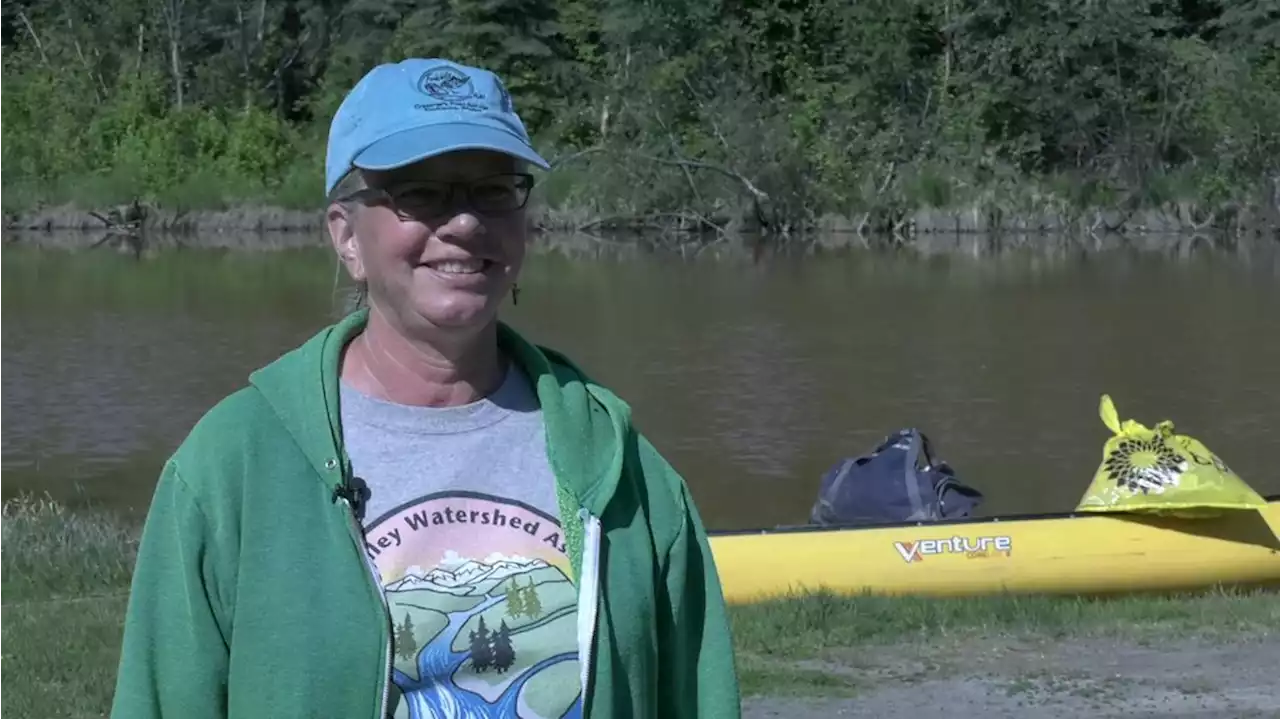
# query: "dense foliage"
777,109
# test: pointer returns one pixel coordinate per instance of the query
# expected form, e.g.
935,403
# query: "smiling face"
436,256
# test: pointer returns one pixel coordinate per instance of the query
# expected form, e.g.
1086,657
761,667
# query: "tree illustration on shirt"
485,613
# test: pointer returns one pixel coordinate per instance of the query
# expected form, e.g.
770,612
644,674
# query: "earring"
515,293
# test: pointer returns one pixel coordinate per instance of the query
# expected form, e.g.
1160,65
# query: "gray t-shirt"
461,520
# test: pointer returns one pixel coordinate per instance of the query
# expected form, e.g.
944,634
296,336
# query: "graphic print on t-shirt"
482,608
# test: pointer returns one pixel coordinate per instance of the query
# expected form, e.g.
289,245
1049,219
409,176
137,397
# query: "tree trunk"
172,12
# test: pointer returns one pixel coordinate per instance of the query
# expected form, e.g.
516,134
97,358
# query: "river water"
752,375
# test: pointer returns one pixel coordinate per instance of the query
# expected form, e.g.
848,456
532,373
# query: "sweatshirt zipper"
372,574
588,598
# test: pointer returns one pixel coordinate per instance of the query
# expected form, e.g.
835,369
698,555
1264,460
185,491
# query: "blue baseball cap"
401,113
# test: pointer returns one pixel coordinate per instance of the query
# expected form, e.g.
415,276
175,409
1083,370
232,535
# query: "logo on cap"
448,84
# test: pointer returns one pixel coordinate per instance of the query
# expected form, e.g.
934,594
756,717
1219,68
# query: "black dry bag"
899,481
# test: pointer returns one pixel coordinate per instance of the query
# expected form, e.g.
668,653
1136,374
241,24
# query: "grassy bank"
64,578
65,583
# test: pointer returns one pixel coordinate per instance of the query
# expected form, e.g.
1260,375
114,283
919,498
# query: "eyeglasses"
493,195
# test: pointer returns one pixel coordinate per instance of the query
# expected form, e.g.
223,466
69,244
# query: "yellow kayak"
1069,553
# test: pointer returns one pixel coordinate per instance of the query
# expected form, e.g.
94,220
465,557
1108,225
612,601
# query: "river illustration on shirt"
482,608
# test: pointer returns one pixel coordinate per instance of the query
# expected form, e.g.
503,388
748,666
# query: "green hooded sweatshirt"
253,595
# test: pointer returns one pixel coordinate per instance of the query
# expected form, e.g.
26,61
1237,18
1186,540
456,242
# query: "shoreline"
799,656
1234,221
968,247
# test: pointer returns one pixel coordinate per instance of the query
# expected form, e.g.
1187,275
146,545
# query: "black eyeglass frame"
524,183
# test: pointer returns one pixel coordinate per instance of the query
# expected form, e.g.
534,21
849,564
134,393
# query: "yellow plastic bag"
1156,471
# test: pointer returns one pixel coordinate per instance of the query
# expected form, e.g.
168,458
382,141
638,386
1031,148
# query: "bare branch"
749,186
287,63
99,87
646,221
613,221
861,228
715,126
141,34
675,148
759,197
171,11
262,21
22,15
575,155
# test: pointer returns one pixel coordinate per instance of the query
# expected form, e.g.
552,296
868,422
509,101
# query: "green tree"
518,39
481,649
504,655
693,115
532,603
515,599
406,644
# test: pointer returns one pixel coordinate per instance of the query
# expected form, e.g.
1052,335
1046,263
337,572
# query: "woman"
418,512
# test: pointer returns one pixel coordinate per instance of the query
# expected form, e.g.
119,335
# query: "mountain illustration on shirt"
483,611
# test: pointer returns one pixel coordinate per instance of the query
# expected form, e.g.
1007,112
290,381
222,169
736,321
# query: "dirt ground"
1039,680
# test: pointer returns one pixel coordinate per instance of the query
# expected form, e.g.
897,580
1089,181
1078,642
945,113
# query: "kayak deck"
1061,553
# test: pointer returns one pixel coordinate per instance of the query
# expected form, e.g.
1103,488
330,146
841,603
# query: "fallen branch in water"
124,219
760,199
646,221
613,222
760,195
124,225
861,229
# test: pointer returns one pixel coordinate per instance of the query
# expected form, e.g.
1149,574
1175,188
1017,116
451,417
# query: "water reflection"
752,377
